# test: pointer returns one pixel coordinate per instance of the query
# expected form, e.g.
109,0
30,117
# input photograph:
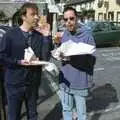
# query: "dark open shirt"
12,49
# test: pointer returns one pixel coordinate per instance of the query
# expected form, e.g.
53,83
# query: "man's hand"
23,62
57,37
43,26
26,62
64,57
44,30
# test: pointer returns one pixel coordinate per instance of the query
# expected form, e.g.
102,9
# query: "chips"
42,21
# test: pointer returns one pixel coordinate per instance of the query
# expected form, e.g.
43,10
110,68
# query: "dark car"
5,27
3,30
105,32
3,100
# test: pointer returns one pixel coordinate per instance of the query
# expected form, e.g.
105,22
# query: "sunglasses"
70,18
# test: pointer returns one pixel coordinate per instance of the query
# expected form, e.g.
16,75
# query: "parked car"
3,30
105,32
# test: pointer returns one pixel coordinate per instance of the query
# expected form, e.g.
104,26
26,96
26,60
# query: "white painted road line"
99,69
105,111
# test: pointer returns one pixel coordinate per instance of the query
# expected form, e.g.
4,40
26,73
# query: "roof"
72,2
9,8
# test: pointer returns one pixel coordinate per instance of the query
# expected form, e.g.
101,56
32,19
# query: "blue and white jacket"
77,72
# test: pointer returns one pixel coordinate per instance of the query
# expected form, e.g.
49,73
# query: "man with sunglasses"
75,73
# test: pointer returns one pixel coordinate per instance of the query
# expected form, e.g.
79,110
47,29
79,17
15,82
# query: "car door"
103,35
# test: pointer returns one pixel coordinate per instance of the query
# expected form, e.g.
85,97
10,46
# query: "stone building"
83,7
107,10
100,9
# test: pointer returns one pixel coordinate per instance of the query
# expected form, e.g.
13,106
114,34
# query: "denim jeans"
71,102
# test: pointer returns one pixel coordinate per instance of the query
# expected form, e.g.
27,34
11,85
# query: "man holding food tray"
22,54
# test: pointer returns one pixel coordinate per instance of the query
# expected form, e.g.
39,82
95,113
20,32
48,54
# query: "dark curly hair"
70,9
27,5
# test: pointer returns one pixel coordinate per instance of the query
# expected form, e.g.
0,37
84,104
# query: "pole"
54,24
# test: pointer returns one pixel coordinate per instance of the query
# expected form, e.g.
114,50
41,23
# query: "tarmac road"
105,102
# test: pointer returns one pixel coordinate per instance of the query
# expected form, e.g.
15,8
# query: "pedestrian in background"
21,78
75,73
48,45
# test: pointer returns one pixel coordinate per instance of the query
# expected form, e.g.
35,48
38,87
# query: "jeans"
71,102
15,97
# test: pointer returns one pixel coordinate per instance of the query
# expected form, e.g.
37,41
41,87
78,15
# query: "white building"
107,10
103,9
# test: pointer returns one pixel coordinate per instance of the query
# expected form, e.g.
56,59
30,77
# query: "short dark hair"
25,6
70,9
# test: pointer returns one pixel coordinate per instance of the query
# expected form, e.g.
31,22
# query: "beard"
71,28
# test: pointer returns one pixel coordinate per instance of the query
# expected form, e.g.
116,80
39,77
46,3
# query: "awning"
9,8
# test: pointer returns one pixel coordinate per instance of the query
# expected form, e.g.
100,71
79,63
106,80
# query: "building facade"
85,8
107,10
99,9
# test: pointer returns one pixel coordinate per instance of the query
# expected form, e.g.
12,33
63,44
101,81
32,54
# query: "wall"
113,11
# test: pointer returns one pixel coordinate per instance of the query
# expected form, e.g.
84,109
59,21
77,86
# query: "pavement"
50,109
100,106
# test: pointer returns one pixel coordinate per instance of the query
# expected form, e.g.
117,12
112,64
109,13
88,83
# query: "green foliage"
2,15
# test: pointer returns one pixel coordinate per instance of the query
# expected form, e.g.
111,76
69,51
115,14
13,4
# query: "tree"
2,15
